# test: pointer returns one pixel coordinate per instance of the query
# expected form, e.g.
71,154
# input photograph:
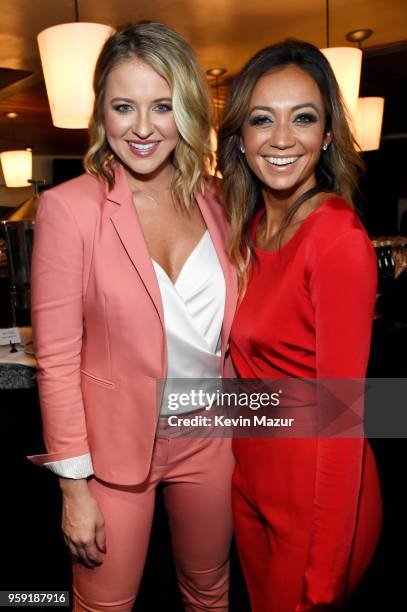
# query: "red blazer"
98,325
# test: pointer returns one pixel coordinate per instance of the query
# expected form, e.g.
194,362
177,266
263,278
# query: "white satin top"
193,314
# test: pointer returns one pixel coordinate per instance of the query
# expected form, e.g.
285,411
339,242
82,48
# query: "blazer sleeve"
57,320
343,289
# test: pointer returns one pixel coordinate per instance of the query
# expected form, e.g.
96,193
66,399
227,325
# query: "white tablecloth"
20,356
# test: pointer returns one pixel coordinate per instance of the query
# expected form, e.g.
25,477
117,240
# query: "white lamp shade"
68,56
346,62
368,123
17,167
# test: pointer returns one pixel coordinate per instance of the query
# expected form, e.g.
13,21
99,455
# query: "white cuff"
74,467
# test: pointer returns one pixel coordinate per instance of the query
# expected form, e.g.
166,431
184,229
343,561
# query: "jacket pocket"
96,379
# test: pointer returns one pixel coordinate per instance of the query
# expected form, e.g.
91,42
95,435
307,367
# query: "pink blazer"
98,325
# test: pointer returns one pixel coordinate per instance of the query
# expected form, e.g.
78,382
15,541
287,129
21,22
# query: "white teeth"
281,161
142,147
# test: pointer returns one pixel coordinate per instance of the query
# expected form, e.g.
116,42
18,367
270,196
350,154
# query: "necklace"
148,195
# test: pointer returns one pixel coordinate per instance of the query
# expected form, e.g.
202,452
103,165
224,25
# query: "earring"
325,146
242,150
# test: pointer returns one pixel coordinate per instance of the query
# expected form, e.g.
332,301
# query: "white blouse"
193,314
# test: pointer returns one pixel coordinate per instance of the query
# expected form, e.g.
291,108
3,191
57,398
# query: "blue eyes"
122,108
158,108
266,120
163,108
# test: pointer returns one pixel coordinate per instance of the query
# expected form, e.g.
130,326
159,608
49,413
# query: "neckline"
174,283
260,214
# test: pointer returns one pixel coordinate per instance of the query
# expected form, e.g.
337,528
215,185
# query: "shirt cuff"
74,467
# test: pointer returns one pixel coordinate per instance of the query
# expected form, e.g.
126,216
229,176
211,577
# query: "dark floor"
35,558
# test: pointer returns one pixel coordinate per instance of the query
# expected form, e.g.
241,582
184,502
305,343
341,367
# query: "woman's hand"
82,522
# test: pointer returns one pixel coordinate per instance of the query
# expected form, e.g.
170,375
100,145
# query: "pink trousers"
196,474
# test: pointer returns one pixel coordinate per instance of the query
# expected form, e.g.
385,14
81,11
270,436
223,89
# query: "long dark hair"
337,170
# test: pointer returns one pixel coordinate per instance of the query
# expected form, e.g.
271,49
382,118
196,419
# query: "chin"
147,166
286,183
282,185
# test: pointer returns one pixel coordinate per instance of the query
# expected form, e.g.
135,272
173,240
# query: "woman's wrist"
70,486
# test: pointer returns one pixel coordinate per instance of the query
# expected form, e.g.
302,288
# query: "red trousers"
196,474
273,500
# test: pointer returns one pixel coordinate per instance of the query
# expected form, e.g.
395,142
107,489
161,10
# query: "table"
18,370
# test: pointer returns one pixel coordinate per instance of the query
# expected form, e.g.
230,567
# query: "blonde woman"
130,285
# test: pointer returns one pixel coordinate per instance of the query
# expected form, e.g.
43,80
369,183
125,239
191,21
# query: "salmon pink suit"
105,331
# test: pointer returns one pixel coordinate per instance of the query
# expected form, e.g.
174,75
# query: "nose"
281,136
142,126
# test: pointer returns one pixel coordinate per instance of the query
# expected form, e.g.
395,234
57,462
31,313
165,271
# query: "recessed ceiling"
223,32
10,76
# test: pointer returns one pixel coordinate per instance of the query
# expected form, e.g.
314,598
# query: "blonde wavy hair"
337,170
171,57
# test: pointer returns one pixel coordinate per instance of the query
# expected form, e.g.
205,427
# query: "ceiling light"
216,72
68,56
368,123
359,36
346,63
17,167
17,163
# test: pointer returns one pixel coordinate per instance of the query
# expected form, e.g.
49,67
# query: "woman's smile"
281,163
285,130
143,148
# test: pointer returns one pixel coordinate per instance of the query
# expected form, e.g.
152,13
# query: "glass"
400,254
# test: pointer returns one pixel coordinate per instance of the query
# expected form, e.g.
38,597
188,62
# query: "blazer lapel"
216,229
127,225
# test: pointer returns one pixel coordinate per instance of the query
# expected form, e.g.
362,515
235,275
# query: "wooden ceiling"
223,32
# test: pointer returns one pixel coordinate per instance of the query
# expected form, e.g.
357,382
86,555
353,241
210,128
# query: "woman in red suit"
307,511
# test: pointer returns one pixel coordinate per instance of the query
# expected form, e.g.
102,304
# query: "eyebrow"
117,99
294,108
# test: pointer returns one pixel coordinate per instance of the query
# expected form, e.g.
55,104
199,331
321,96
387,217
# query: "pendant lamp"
17,163
368,123
68,56
346,63
17,167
